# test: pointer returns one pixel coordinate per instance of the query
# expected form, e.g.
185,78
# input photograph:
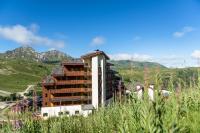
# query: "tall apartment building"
78,86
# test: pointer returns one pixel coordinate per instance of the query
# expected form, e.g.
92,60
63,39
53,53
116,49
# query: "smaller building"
80,85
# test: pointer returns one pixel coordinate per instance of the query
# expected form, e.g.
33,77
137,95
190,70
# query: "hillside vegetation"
126,64
177,114
168,78
24,66
134,72
16,74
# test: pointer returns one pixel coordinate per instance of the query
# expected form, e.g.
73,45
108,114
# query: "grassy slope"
186,77
178,114
17,74
136,64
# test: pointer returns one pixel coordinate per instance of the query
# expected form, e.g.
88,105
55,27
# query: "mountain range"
28,53
25,66
55,56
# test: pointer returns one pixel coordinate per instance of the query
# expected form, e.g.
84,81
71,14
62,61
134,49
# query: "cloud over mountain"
28,36
134,57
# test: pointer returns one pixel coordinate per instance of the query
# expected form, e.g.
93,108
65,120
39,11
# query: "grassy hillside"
185,77
16,74
177,113
23,66
125,64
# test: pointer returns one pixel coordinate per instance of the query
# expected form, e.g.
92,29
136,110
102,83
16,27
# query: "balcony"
72,82
71,90
70,98
58,71
73,62
76,73
47,84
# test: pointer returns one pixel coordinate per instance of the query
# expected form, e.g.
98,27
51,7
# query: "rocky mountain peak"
27,52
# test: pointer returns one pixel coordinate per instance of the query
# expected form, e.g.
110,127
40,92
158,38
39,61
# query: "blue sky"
165,31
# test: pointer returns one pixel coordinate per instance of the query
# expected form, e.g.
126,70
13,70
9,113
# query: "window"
45,114
45,103
60,113
67,112
46,95
76,112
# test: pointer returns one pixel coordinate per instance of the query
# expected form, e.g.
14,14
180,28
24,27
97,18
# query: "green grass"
17,82
186,77
179,113
21,73
16,74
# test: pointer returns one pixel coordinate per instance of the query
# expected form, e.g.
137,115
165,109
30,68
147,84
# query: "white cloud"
134,57
185,30
99,40
27,36
196,54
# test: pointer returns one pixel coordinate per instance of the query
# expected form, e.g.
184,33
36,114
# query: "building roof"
75,61
95,53
58,71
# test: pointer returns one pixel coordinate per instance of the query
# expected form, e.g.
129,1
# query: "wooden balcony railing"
73,62
67,82
47,84
58,74
71,90
72,82
70,98
76,73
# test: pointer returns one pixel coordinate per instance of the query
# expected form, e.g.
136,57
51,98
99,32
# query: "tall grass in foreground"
179,113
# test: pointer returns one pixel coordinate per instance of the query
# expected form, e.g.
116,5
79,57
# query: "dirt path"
6,106
4,93
28,89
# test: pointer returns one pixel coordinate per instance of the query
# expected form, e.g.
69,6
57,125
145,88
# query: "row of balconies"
81,72
72,73
70,98
70,90
68,82
71,82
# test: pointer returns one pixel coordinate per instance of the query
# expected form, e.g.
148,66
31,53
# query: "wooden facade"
71,83
68,85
